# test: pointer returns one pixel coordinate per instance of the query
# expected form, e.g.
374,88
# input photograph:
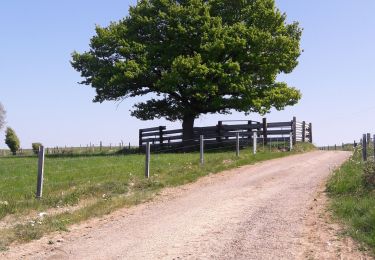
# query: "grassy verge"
110,181
353,198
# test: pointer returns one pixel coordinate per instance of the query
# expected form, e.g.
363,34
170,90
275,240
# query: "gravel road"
252,212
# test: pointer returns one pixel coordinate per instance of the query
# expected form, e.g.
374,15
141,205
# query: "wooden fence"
225,132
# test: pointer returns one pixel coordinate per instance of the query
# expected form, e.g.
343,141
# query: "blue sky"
38,86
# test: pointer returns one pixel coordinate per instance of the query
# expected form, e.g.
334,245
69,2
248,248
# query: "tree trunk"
187,131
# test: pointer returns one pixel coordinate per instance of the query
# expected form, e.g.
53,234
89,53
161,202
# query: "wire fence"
68,179
365,145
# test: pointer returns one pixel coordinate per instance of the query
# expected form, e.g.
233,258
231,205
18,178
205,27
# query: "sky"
44,102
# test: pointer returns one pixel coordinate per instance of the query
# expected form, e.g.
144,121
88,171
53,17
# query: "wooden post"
294,127
237,144
364,147
249,130
265,131
368,138
303,131
254,141
201,139
101,145
161,140
219,130
147,164
140,138
39,187
310,133
291,141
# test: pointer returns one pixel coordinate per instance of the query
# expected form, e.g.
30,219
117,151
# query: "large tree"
193,57
2,116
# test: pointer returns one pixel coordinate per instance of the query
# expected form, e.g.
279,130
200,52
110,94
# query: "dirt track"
253,212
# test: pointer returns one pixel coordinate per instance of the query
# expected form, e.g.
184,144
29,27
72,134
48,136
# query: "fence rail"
160,138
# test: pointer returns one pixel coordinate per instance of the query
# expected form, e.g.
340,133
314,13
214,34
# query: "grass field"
353,202
109,182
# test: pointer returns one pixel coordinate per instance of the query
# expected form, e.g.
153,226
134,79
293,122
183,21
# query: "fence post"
140,138
237,144
294,127
335,147
39,187
291,141
310,133
161,140
255,141
265,131
364,147
147,164
303,131
219,130
368,138
249,130
201,139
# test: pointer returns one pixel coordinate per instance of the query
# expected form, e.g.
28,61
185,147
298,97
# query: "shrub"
369,174
35,147
12,140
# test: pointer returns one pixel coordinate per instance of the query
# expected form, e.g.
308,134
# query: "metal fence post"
364,147
291,141
237,144
147,164
255,141
39,187
201,140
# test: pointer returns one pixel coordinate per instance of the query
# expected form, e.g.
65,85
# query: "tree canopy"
193,57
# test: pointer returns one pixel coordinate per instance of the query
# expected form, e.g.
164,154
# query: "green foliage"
369,174
353,200
12,140
197,56
35,147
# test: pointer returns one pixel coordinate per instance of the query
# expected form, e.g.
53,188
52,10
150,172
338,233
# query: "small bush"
369,174
12,140
35,147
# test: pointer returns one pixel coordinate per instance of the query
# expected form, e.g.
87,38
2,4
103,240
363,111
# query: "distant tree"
2,116
196,57
35,147
12,140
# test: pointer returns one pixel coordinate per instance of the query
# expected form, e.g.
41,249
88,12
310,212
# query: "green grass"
353,203
110,182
